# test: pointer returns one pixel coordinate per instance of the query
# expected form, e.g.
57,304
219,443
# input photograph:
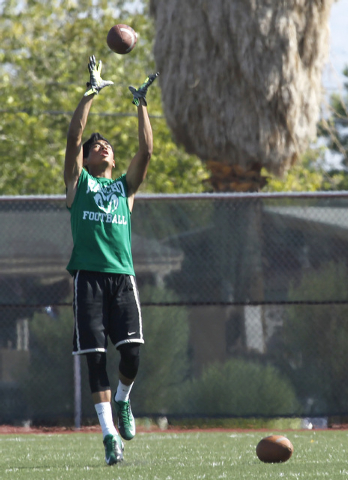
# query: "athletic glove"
142,90
96,83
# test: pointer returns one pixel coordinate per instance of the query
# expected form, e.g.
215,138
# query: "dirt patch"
153,428
9,429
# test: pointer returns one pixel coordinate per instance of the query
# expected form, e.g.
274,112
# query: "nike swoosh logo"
131,333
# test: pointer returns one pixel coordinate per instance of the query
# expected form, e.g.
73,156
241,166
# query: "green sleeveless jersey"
101,226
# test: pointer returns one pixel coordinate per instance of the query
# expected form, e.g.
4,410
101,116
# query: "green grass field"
172,456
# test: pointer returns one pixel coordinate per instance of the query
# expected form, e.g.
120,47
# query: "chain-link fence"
244,299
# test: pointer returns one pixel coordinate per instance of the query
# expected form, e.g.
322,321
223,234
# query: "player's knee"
97,374
130,357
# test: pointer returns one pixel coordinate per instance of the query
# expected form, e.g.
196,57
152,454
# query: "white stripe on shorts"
75,313
137,301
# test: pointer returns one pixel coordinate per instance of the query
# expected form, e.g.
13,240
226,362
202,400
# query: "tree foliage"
319,373
44,54
249,89
335,129
43,70
310,174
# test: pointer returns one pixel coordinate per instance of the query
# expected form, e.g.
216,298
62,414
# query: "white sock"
123,391
104,412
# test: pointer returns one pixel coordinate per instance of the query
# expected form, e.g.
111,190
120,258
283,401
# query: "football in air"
274,449
121,39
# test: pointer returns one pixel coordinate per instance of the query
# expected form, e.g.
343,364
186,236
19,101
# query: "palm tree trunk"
241,79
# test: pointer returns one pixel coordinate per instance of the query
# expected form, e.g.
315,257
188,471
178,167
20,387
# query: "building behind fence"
244,300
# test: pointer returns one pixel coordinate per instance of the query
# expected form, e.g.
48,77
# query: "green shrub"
315,340
240,388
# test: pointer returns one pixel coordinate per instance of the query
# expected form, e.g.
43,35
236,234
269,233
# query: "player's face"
101,150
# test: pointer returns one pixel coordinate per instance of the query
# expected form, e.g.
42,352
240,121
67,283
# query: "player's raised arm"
137,169
74,152
73,155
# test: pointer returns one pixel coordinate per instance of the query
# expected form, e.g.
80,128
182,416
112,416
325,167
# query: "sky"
338,58
333,80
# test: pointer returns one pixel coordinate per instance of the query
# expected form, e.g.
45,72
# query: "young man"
106,300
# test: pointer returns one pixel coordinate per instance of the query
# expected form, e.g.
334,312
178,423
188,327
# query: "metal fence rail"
244,301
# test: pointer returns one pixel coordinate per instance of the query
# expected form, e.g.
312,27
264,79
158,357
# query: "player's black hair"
92,139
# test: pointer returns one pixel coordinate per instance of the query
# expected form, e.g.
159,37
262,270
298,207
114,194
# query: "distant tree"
43,70
335,129
241,83
315,344
312,172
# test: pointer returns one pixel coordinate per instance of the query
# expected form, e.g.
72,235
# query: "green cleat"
113,449
126,423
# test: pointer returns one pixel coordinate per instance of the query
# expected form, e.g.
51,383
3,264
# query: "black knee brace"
97,374
129,363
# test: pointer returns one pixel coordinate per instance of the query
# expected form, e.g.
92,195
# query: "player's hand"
96,83
142,90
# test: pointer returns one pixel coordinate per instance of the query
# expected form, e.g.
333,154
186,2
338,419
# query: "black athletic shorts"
105,305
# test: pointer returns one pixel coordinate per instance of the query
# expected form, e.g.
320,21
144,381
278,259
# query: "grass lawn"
172,456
